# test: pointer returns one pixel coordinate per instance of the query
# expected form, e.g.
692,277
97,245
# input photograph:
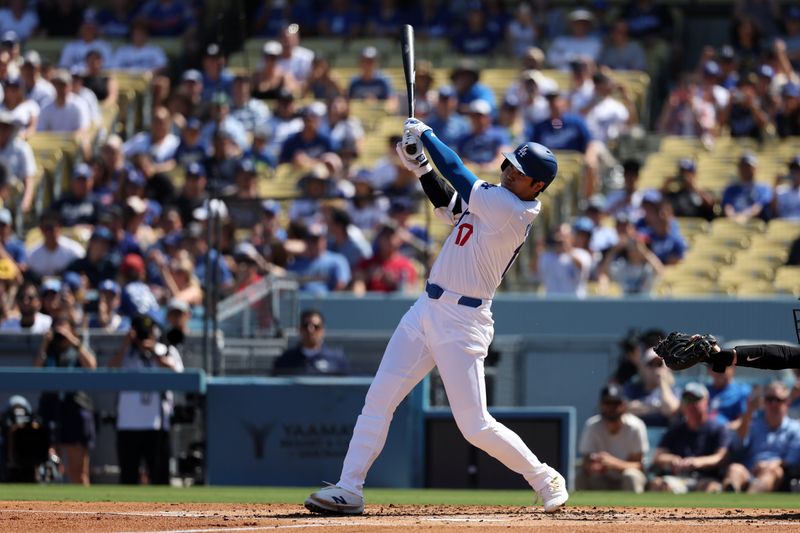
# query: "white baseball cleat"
335,500
554,493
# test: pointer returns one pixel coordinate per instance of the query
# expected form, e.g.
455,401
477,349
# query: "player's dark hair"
504,165
308,313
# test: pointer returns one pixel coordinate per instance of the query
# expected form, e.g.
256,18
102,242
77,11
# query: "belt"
435,292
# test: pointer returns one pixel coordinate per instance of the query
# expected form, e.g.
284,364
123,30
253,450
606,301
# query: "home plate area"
200,518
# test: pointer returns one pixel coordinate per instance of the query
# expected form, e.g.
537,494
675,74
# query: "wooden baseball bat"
407,45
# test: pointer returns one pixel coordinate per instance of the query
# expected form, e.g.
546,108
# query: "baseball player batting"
450,325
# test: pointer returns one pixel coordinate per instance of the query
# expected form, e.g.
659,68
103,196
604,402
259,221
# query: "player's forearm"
764,356
436,189
450,165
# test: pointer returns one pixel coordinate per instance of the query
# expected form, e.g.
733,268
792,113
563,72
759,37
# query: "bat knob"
410,150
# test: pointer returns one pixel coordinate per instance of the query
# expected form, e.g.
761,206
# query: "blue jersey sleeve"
450,165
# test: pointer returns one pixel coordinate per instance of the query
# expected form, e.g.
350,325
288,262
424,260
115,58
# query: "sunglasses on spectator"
775,399
311,325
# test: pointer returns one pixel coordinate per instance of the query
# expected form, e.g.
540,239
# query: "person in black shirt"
686,198
311,355
76,206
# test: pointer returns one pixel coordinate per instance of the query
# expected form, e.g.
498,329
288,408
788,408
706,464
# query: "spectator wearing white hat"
37,88
294,58
271,78
371,83
74,53
140,55
17,156
580,42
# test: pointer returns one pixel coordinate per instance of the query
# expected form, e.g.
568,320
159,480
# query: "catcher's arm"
764,356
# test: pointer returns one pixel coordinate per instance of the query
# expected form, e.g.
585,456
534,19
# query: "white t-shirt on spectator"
160,152
299,64
18,157
607,119
74,53
92,105
73,116
383,173
139,58
24,112
41,324
52,262
347,129
579,97
560,275
630,439
23,27
566,48
42,92
788,198
150,410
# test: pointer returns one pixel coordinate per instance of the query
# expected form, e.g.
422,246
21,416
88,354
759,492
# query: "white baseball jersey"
484,242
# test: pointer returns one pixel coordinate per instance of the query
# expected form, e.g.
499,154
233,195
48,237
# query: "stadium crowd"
128,235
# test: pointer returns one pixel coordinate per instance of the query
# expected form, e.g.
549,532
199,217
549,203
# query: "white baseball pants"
454,338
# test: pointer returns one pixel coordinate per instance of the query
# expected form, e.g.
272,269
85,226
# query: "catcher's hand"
681,350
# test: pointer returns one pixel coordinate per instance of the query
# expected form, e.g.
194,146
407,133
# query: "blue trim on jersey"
450,165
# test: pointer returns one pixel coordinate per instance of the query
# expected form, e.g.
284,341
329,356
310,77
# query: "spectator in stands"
115,20
248,111
20,18
561,268
771,442
746,199
191,149
630,263
475,37
85,96
191,91
221,164
345,238
56,252
521,32
140,55
195,241
27,316
445,121
607,116
315,187
340,19
710,87
96,79
160,143
17,156
222,121
620,52
107,316
66,113
745,115
249,265
167,18
216,78
367,208
179,277
612,446
652,392
688,113
581,72
284,123
10,246
24,111
101,261
465,78
728,397
70,414
387,270
37,88
660,230
271,78
684,195
561,130
60,19
603,236
345,129
690,454
76,207
384,19
529,91
143,418
311,355
304,149
787,119
294,58
371,83
485,144
74,53
137,298
747,42
580,42
786,196
318,270
321,85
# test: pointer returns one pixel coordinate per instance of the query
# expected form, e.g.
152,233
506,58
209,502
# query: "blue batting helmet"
535,161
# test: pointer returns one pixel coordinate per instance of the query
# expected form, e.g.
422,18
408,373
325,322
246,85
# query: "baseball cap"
623,217
314,109
711,68
61,76
652,196
766,71
32,57
727,53
245,251
596,202
109,285
246,166
178,305
612,393
132,263
535,161
271,206
583,224
72,279
192,75
5,216
466,66
791,90
749,158
220,99
193,123
694,391
81,171
447,92
687,165
316,230
401,204
582,15
195,169
272,48
50,285
369,52
10,37
136,178
12,81
213,50
136,204
102,232
480,107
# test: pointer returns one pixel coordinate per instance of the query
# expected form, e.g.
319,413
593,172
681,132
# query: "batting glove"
412,156
416,127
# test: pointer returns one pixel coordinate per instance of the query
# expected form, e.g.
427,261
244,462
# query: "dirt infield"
58,517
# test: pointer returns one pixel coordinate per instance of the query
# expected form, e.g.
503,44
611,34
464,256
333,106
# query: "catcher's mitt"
681,350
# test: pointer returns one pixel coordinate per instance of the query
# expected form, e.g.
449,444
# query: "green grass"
255,495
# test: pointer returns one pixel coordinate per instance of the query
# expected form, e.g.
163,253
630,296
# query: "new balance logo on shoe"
339,500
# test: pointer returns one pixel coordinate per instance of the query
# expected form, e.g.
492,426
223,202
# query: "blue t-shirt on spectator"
567,133
224,276
478,91
450,130
684,442
186,155
379,87
137,299
469,43
322,273
314,148
743,195
483,147
666,247
221,85
16,250
764,444
729,403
